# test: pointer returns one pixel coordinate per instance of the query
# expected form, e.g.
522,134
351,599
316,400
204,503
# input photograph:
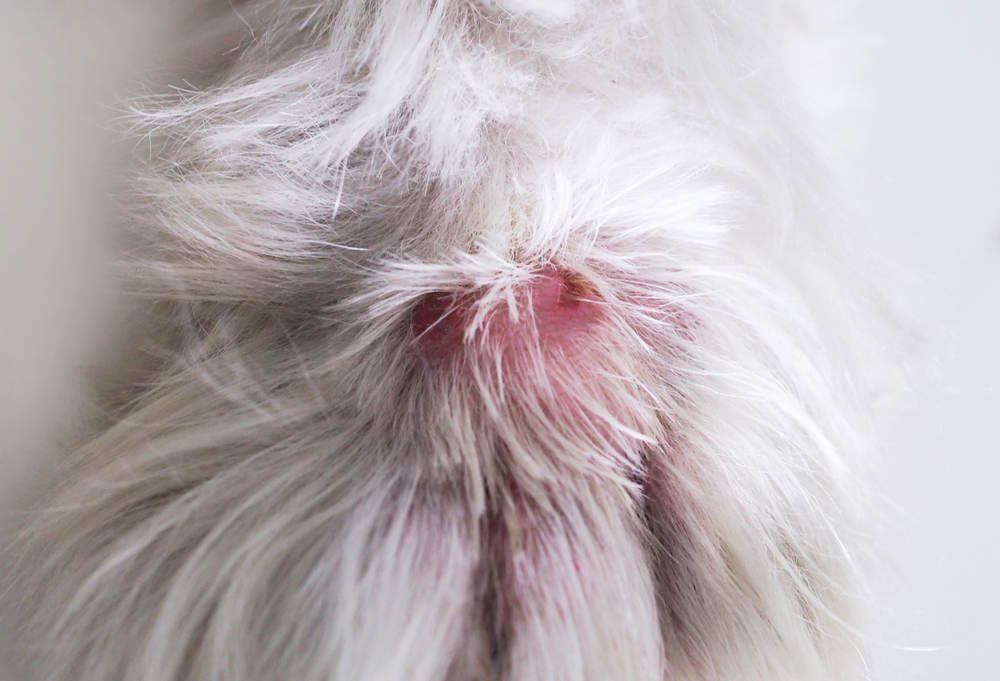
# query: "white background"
932,183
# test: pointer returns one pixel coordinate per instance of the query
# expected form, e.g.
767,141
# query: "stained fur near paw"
492,341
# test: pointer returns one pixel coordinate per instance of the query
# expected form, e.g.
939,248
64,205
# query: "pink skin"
552,340
562,304
557,314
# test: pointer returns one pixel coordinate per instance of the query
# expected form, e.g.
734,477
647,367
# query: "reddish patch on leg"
558,301
562,301
438,321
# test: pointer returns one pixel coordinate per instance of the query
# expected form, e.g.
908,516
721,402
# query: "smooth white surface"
933,185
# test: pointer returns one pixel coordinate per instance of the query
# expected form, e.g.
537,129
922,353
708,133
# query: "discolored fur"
481,342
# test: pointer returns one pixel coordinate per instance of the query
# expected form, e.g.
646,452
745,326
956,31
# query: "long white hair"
474,341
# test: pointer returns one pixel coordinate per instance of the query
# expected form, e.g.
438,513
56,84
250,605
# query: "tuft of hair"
473,341
552,11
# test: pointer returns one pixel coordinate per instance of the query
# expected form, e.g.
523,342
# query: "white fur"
285,489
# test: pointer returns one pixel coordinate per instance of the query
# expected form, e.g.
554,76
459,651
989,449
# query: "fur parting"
290,486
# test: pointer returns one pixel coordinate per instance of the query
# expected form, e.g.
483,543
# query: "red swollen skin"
561,302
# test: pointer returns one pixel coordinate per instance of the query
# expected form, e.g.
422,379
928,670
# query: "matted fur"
292,487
